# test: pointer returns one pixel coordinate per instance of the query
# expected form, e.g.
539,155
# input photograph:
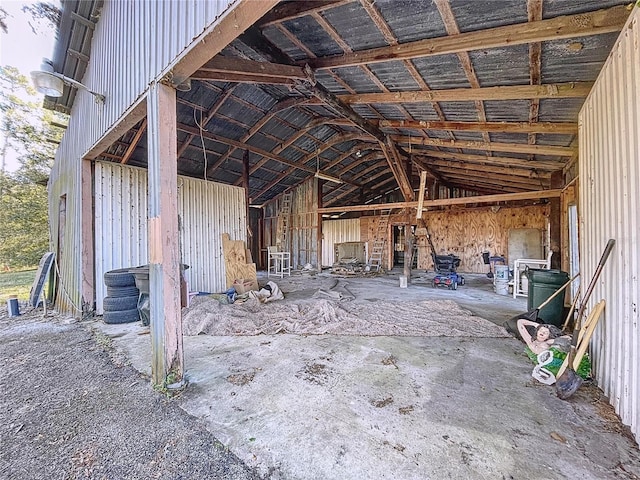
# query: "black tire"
119,304
119,278
122,291
461,280
123,316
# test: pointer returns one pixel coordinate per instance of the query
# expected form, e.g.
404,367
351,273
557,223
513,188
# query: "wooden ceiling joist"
248,71
516,92
463,166
566,26
491,147
512,197
567,128
134,142
489,177
298,9
397,168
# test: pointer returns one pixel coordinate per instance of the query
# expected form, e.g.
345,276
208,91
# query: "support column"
555,211
167,359
87,238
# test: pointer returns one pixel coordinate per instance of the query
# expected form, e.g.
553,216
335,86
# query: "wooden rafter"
206,118
248,71
451,26
400,174
491,147
507,170
464,174
534,14
502,127
134,142
566,26
514,92
293,10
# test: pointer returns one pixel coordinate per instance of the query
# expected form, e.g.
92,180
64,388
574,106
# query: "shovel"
569,382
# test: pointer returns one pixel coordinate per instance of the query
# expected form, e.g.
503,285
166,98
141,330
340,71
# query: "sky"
21,47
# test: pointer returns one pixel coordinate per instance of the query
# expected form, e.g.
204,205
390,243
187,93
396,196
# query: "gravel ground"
70,408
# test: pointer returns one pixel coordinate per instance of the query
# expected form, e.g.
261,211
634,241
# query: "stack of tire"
121,303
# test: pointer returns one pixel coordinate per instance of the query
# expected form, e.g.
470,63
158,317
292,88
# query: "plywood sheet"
235,262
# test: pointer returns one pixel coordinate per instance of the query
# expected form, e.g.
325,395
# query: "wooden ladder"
380,239
282,232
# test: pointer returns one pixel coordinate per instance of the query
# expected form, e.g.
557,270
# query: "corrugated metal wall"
337,231
609,130
128,51
207,210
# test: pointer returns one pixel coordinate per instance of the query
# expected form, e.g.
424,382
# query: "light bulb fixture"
328,178
50,83
324,176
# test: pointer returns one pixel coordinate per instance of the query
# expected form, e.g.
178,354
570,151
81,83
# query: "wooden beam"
515,92
492,147
248,71
567,26
134,142
240,145
567,128
534,13
484,160
298,9
511,197
399,173
423,184
462,166
530,183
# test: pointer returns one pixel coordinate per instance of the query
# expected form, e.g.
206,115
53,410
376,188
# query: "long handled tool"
511,325
569,382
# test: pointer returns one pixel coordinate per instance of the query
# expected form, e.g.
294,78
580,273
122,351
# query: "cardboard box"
243,285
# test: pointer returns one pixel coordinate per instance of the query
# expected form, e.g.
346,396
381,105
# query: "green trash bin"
543,284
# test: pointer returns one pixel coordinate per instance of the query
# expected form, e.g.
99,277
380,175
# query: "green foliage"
26,133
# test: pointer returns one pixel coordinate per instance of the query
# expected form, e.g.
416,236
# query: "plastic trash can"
543,284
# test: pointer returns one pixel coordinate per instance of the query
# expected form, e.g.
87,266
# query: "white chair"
278,263
520,265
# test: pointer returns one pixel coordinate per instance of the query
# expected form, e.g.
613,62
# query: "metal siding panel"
337,231
207,210
609,126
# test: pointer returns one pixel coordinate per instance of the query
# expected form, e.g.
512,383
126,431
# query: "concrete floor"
360,407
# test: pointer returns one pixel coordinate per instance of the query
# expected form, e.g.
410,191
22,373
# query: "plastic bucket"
403,281
13,307
502,287
502,273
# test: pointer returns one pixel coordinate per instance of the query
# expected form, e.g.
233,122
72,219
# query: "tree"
29,134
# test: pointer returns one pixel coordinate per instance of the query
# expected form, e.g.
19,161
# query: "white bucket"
502,272
403,281
502,287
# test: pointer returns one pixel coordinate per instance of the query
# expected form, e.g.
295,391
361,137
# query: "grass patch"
16,283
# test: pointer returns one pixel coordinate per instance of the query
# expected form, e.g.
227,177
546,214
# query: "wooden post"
408,252
555,211
87,240
319,183
167,361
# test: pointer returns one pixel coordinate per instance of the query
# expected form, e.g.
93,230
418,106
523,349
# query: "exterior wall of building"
206,209
133,44
609,195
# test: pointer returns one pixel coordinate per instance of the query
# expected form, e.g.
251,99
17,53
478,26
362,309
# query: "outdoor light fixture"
50,83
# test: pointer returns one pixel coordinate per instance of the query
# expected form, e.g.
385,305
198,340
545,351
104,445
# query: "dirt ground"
73,409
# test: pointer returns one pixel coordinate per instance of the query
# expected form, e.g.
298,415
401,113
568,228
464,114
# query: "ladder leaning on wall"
379,241
282,231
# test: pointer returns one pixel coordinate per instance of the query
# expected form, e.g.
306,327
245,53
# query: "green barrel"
543,284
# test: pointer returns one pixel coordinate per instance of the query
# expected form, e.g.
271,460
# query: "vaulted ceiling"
483,96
